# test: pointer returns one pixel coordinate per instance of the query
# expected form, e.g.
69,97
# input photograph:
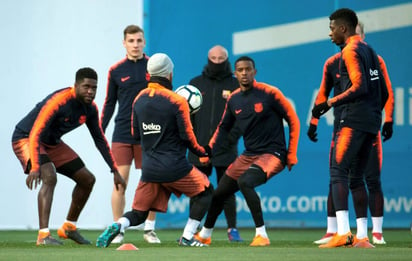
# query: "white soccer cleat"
325,239
151,237
377,239
118,239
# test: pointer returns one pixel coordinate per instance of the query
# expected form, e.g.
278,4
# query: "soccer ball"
192,95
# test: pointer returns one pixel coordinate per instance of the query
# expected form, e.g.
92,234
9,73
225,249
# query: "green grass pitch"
286,244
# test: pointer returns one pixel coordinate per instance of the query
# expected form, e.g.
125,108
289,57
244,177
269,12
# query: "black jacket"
215,84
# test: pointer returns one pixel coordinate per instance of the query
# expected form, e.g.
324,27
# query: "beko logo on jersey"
151,128
374,74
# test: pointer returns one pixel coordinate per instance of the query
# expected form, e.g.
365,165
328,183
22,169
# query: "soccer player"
258,109
364,94
125,80
216,83
38,145
373,170
161,122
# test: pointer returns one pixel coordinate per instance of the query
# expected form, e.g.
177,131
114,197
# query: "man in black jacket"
216,83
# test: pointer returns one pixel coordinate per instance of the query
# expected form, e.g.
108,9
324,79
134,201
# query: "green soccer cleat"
108,235
191,243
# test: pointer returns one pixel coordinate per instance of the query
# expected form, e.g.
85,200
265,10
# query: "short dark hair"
345,15
85,72
245,58
132,29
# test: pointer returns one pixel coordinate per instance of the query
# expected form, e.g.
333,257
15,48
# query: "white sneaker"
377,239
151,237
118,239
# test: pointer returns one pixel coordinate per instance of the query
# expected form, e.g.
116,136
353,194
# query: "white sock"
124,223
342,218
44,230
140,226
71,222
261,231
362,227
205,232
190,228
332,225
377,224
149,225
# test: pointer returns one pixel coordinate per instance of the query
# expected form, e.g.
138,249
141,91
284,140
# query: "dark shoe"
47,239
68,230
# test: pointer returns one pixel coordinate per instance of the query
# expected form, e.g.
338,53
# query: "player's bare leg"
44,203
45,196
118,196
119,201
84,185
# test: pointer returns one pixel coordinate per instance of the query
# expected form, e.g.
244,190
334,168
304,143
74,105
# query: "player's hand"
290,166
33,177
387,130
312,134
204,161
291,161
208,150
118,180
320,109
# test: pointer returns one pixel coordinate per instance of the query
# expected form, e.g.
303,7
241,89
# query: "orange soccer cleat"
362,243
206,241
260,241
339,240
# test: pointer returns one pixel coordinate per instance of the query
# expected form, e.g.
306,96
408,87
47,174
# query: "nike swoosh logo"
238,111
123,79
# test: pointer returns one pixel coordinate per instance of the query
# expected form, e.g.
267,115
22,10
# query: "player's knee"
119,191
136,217
90,181
207,193
205,196
355,183
48,174
84,178
374,185
253,177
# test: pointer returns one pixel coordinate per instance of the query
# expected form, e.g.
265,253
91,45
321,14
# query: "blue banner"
290,46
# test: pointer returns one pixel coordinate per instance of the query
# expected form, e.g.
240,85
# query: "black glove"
387,130
312,132
320,109
208,151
